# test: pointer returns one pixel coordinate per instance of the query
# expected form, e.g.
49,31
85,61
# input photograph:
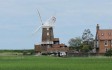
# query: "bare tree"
87,36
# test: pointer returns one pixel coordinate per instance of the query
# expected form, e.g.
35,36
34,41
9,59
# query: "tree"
87,36
75,43
88,41
85,48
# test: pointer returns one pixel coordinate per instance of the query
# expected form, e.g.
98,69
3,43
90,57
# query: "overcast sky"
19,18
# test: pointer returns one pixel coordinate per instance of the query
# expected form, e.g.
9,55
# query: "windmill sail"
37,29
39,16
50,21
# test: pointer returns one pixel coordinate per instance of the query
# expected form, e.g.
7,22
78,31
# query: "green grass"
54,63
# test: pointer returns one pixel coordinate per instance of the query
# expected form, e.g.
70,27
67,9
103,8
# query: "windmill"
49,44
47,32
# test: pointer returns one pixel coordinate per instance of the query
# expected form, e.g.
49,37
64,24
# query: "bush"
86,48
108,53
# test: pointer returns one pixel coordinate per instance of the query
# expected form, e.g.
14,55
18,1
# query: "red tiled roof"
105,34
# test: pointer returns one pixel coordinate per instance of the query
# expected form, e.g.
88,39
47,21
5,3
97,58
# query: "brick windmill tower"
47,34
48,42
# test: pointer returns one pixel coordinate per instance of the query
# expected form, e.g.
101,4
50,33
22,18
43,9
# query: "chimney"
97,27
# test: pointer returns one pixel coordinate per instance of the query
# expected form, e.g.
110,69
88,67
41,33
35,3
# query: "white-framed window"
106,43
106,49
102,34
111,42
97,44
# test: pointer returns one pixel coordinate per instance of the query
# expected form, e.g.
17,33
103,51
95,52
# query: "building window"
106,43
97,43
109,34
111,42
56,42
106,49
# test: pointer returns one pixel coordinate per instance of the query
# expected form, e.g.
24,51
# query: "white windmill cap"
50,21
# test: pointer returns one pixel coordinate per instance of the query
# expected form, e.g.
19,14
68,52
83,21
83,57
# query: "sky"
19,19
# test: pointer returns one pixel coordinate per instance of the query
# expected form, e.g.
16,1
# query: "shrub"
108,53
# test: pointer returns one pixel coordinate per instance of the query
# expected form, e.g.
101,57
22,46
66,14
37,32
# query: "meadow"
54,63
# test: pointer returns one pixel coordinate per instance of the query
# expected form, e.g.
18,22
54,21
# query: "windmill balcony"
48,42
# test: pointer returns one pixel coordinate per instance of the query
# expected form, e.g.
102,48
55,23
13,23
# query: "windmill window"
47,33
106,43
47,28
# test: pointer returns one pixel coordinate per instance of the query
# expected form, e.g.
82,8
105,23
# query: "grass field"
54,63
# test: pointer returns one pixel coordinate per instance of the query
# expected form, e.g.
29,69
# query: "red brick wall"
102,47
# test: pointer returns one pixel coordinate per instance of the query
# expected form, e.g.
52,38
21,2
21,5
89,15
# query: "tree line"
24,52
